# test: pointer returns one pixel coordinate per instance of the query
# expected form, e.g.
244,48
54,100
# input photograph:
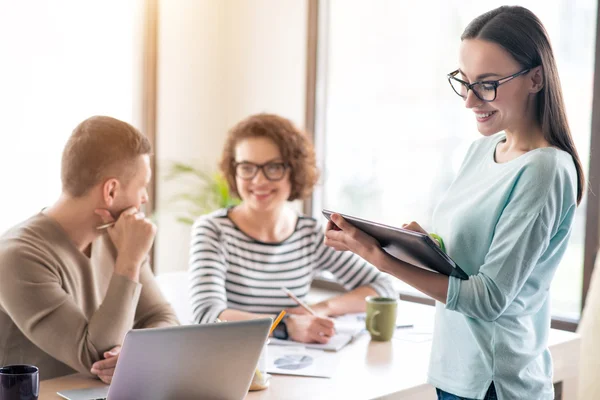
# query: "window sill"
320,282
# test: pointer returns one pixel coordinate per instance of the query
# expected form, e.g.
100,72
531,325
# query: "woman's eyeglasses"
484,90
273,171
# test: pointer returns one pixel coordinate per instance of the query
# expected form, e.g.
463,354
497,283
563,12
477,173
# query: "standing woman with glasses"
241,257
506,219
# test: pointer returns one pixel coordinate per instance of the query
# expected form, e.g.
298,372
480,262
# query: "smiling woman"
284,143
392,134
242,256
506,219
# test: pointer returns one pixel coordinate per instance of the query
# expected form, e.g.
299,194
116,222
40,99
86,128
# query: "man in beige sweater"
69,292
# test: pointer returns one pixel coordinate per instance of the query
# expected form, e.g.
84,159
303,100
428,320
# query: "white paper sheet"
296,360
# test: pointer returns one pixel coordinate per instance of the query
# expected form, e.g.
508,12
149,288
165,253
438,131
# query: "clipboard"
414,248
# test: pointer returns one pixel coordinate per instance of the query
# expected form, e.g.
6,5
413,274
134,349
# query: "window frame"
146,95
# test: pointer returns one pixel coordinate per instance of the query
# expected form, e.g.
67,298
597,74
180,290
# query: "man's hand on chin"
105,369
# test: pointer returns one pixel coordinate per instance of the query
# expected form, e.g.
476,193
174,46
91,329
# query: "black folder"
414,248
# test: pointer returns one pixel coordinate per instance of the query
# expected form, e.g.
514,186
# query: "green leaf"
185,220
180,169
209,192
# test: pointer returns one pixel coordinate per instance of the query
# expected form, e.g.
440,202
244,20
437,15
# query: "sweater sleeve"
530,226
207,272
32,295
350,270
153,311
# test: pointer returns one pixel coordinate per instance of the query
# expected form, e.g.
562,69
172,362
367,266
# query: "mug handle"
370,323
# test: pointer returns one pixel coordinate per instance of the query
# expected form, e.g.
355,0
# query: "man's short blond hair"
100,147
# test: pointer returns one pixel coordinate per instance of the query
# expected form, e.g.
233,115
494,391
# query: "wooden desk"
365,371
374,370
48,388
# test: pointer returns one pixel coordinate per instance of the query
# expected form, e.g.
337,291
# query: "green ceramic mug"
381,317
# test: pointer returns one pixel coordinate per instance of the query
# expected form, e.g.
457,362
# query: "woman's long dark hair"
522,34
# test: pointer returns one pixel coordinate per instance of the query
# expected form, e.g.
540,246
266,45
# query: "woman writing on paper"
505,220
241,257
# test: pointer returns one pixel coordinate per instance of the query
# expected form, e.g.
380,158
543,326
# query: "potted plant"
206,191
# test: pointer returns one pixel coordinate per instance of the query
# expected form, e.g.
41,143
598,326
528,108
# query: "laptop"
414,248
209,361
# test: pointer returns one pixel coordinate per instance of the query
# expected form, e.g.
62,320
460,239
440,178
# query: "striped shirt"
229,269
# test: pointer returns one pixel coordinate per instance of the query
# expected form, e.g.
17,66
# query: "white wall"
266,58
218,62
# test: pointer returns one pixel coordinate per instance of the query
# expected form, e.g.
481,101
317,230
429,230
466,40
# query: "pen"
105,226
298,301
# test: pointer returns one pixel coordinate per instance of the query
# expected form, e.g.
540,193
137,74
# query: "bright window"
62,61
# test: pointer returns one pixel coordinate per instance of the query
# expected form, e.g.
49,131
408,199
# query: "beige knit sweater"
59,309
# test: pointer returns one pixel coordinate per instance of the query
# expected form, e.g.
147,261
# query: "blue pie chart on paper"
294,361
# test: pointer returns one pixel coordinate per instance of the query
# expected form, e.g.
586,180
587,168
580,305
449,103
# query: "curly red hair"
296,150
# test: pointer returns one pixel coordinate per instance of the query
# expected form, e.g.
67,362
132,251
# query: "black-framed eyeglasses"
273,170
484,90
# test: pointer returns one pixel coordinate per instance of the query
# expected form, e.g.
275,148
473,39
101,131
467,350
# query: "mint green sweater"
507,226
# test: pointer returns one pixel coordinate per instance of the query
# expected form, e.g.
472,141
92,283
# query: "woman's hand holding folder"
343,236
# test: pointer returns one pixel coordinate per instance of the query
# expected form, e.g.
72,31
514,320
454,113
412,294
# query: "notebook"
348,327
337,342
